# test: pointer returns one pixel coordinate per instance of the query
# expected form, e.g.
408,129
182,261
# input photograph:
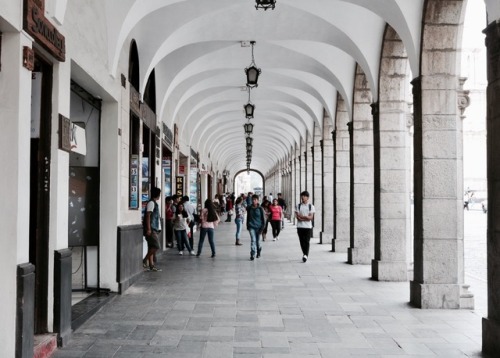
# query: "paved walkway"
275,306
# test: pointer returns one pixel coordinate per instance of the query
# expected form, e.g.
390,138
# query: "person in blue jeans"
181,225
238,210
208,222
256,221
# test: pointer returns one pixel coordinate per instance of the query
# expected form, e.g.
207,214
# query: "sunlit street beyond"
475,256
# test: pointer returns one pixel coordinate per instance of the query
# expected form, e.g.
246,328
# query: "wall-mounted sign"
28,58
46,34
182,169
179,185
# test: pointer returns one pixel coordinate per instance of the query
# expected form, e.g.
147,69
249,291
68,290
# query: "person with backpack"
152,229
256,221
304,213
208,222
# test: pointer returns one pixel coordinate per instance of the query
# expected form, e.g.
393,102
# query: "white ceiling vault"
307,51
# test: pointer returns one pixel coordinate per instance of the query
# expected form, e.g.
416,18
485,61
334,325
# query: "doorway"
41,112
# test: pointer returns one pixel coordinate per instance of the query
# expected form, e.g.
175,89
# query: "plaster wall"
15,92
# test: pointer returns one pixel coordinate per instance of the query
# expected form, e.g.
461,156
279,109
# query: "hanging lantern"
265,4
248,128
252,72
249,109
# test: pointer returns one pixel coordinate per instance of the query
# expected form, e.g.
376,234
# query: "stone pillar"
438,177
317,177
327,182
342,179
491,324
361,250
392,164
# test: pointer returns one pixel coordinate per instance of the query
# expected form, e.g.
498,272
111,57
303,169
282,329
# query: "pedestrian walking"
152,229
191,210
304,213
181,226
229,208
275,217
209,221
282,203
238,220
267,215
169,221
255,225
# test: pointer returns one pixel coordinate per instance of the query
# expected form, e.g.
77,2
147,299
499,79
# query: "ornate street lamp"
252,72
265,4
249,107
248,128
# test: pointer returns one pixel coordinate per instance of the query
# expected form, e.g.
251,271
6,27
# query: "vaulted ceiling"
307,51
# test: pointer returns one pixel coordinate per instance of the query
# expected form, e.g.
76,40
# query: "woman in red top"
276,215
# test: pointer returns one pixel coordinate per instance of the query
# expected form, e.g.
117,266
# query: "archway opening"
249,181
473,77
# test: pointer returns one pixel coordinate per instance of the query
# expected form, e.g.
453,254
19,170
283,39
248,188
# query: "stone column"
361,250
342,179
327,182
317,187
438,177
491,324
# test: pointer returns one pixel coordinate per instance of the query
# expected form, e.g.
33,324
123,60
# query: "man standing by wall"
152,229
256,221
304,213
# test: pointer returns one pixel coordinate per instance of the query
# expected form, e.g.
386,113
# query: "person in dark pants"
304,213
282,203
255,225
152,229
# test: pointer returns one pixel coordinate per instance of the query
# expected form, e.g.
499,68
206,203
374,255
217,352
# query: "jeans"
255,246
203,233
238,222
182,238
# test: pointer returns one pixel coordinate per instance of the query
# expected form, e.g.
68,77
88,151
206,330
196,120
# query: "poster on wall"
36,99
167,171
145,182
193,185
134,182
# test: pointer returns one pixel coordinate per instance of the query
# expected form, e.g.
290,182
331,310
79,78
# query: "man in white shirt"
304,213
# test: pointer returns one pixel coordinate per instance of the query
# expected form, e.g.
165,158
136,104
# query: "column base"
355,256
441,296
339,245
491,337
395,271
324,237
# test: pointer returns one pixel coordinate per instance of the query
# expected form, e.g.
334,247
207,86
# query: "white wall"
15,117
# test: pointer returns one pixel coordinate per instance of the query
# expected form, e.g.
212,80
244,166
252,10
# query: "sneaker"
192,253
274,239
277,237
213,255
181,253
144,264
258,253
304,258
251,258
198,254
154,269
